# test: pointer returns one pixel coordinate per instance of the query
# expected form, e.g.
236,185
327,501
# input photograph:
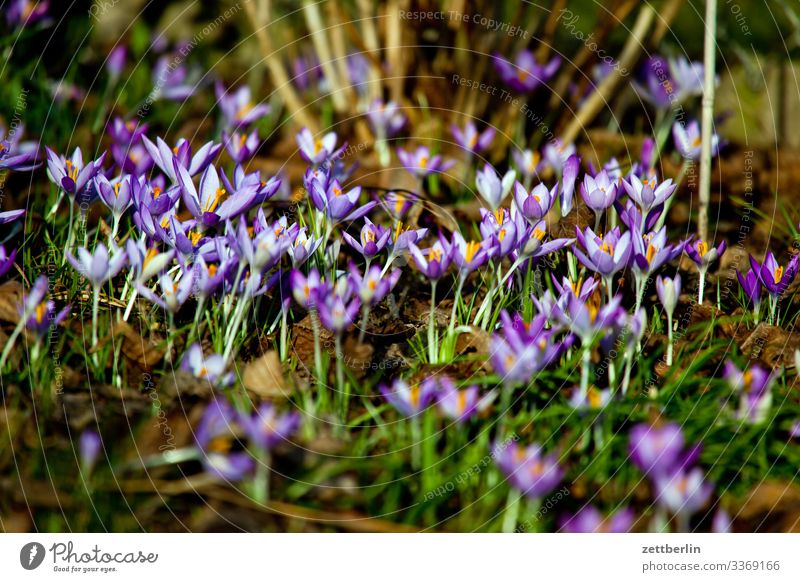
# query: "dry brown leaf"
10,300
264,376
772,506
772,345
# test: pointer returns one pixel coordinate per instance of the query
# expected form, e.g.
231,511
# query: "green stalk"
432,348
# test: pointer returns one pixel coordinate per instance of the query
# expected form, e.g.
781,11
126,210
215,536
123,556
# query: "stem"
95,309
284,333
455,305
71,231
432,351
626,379
129,308
261,478
197,313
709,87
585,365
317,348
701,286
669,344
341,386
11,340
364,322
511,512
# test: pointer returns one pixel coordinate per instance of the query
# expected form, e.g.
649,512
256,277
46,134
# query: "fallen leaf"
264,376
10,301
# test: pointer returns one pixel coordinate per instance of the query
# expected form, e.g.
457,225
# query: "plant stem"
585,365
669,344
511,512
317,347
709,87
342,387
95,309
432,351
701,286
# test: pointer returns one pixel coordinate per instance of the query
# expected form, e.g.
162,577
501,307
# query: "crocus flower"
215,439
755,388
172,79
71,175
39,313
303,247
651,251
656,450
528,469
527,162
241,146
571,168
373,286
337,204
403,237
115,63
589,520
100,266
774,277
582,288
751,285
145,261
305,289
421,164
89,448
459,405
317,150
11,215
26,12
594,399
165,157
648,194
722,522
410,400
525,74
684,491
599,193
237,107
491,187
173,295
521,349
473,141
604,255
266,428
386,119
556,155
670,83
534,205
703,255
6,259
668,290
688,140
372,240
211,368
117,196
337,308
434,261
468,256
206,205
500,230
15,154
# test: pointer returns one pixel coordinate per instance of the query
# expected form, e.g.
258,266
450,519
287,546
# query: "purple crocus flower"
556,155
410,400
522,349
372,240
373,286
582,288
527,162
317,150
571,168
491,187
528,469
722,522
688,140
468,256
500,230
337,204
703,255
534,205
6,259
115,63
668,290
434,261
473,141
173,295
421,164
71,175
237,107
205,205
211,368
100,266
599,193
172,79
403,237
40,313
774,277
26,12
267,429
684,491
386,119
11,215
241,146
755,388
656,449
751,285
303,247
606,254
648,195
215,437
459,405
651,251
117,196
337,307
305,289
670,83
15,154
89,448
165,157
589,520
525,74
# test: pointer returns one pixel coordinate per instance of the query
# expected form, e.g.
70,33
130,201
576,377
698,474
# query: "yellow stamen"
148,255
462,401
244,110
212,270
414,396
220,444
702,248
156,192
41,310
651,252
778,275
195,237
576,287
537,233
472,248
423,162
214,202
